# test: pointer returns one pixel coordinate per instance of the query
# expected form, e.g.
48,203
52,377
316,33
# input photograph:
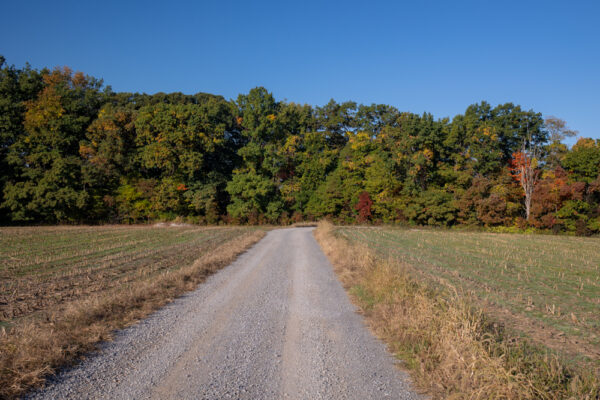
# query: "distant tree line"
72,150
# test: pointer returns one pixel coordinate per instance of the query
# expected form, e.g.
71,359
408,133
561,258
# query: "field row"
45,267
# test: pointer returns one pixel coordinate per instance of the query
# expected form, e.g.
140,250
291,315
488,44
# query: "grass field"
548,287
478,315
63,289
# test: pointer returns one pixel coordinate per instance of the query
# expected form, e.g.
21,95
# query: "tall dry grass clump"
30,351
451,349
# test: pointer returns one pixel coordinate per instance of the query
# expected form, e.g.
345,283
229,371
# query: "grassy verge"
452,348
65,289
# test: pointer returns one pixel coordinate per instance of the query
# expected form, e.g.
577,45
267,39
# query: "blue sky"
436,56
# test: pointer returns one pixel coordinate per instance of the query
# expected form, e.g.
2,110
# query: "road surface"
275,324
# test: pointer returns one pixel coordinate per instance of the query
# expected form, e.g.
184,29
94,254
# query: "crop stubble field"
63,288
547,287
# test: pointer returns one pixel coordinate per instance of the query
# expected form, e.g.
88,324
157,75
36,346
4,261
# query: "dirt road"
276,324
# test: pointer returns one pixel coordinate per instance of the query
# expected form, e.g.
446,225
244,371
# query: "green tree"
474,142
48,185
189,146
108,151
254,187
338,194
583,161
17,86
432,207
253,196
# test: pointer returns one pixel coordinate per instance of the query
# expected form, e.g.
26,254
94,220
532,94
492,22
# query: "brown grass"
37,345
451,347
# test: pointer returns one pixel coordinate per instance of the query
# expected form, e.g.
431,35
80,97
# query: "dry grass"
65,289
304,225
451,347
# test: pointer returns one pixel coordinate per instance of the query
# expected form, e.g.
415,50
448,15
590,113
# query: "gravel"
275,324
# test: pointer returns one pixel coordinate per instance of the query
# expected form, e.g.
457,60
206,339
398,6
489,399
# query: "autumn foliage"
75,151
364,207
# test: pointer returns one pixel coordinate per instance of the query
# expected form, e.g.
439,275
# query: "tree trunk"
529,177
527,205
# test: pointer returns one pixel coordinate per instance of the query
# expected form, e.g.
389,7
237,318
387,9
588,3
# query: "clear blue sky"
436,56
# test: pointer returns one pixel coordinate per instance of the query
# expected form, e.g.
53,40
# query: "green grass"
549,284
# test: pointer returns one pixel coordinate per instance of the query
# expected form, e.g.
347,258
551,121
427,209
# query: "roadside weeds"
452,349
31,351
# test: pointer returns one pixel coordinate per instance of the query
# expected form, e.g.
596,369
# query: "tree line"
72,150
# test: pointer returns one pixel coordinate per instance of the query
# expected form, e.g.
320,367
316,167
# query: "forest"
74,151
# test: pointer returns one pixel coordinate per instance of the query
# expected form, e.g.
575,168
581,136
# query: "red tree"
364,207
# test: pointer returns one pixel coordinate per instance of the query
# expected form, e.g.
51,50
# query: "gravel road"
275,324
